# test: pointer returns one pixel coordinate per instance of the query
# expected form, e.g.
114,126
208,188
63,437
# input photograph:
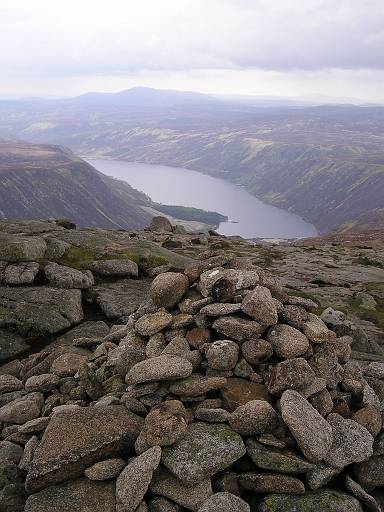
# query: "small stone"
257,351
44,383
293,374
275,459
164,367
238,328
312,433
320,476
212,415
198,336
356,489
220,309
316,330
163,505
153,323
196,385
222,355
270,483
224,502
254,417
115,268
351,442
370,418
22,409
375,370
134,480
325,364
287,341
29,450
259,305
188,459
240,391
165,424
323,500
68,364
34,426
370,473
190,497
167,289
9,383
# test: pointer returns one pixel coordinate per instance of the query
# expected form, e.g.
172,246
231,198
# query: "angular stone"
311,431
275,459
254,417
293,374
190,497
80,495
115,268
287,341
224,502
259,305
40,310
167,289
324,501
165,367
351,442
240,391
316,330
320,476
79,437
271,483
43,383
238,328
134,480
153,323
188,459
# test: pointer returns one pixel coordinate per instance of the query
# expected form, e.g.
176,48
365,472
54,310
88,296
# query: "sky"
249,47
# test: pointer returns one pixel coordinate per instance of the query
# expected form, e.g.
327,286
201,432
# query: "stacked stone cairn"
223,393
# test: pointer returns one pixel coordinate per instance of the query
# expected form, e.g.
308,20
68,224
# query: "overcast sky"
260,47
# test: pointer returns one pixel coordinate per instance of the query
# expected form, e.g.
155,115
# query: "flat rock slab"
80,495
11,345
77,438
324,501
39,310
118,300
202,452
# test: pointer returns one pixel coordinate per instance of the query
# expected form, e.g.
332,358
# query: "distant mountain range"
325,163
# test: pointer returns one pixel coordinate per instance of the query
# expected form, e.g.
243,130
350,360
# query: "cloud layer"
95,37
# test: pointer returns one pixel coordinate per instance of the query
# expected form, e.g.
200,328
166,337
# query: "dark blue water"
248,216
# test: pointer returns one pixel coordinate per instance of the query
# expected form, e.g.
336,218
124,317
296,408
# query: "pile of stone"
222,393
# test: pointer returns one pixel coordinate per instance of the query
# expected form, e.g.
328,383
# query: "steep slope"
41,181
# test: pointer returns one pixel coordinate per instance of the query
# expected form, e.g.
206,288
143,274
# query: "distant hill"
325,163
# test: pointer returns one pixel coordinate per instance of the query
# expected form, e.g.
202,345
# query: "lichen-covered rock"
20,274
16,248
295,374
165,424
324,500
202,452
271,483
222,355
22,409
67,277
277,459
238,328
240,391
114,268
152,323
